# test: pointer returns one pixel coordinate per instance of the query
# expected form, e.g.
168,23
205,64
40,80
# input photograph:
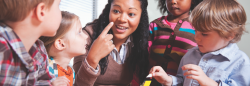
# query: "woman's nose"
122,18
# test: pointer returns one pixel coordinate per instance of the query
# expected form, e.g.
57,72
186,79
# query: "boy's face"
210,41
52,20
76,40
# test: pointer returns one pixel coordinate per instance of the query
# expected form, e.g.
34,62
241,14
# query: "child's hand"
195,72
161,76
61,81
101,47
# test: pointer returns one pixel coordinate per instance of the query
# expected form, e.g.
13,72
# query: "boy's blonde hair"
17,10
227,17
68,20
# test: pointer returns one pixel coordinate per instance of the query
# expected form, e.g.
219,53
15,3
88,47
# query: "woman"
113,58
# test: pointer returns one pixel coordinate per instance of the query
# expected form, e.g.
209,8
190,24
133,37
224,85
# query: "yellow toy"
148,80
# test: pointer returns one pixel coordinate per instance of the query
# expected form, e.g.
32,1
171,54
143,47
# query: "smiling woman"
116,54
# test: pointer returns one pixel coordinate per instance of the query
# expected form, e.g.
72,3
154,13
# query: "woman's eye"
116,11
131,14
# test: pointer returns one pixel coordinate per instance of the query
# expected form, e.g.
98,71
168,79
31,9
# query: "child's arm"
150,38
195,72
161,76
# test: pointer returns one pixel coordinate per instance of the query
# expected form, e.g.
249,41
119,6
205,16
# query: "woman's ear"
59,44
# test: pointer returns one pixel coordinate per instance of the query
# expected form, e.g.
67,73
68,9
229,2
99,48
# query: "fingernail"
111,22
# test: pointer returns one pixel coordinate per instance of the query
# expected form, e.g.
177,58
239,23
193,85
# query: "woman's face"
126,16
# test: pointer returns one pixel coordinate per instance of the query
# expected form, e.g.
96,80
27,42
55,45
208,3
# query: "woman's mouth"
121,29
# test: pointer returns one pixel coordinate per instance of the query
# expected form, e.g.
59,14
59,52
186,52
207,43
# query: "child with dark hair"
116,53
170,36
217,60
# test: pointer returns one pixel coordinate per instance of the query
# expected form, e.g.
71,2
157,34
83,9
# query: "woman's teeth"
119,27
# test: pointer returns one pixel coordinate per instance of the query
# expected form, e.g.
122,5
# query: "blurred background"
88,10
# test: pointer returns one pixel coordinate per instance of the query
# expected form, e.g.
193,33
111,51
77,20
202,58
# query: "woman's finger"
106,30
109,37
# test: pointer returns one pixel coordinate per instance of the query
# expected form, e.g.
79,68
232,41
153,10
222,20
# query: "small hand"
161,76
196,73
61,81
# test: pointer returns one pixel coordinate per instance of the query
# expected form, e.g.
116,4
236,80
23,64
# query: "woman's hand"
161,76
196,73
61,81
101,47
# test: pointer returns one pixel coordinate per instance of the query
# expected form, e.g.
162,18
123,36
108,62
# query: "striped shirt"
168,42
19,67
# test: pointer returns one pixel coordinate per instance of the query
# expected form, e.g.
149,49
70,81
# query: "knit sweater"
115,75
58,71
167,45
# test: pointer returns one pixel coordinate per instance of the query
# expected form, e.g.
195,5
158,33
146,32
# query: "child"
68,42
170,36
216,61
23,59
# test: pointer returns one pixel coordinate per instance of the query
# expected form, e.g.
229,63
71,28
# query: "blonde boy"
23,58
216,61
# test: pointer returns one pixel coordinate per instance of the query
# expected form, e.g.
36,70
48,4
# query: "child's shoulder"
158,22
233,53
4,45
6,35
160,18
240,55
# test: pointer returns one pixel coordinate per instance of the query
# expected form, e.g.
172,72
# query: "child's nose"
197,38
174,1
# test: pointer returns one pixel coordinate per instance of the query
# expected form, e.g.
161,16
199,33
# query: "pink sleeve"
150,39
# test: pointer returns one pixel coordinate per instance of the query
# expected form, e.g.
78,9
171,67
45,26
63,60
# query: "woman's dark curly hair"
162,5
138,58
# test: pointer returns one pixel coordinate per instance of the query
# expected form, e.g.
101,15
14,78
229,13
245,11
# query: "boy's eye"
203,34
131,14
116,11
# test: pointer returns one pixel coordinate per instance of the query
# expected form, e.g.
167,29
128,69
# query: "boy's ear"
59,44
231,37
40,11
